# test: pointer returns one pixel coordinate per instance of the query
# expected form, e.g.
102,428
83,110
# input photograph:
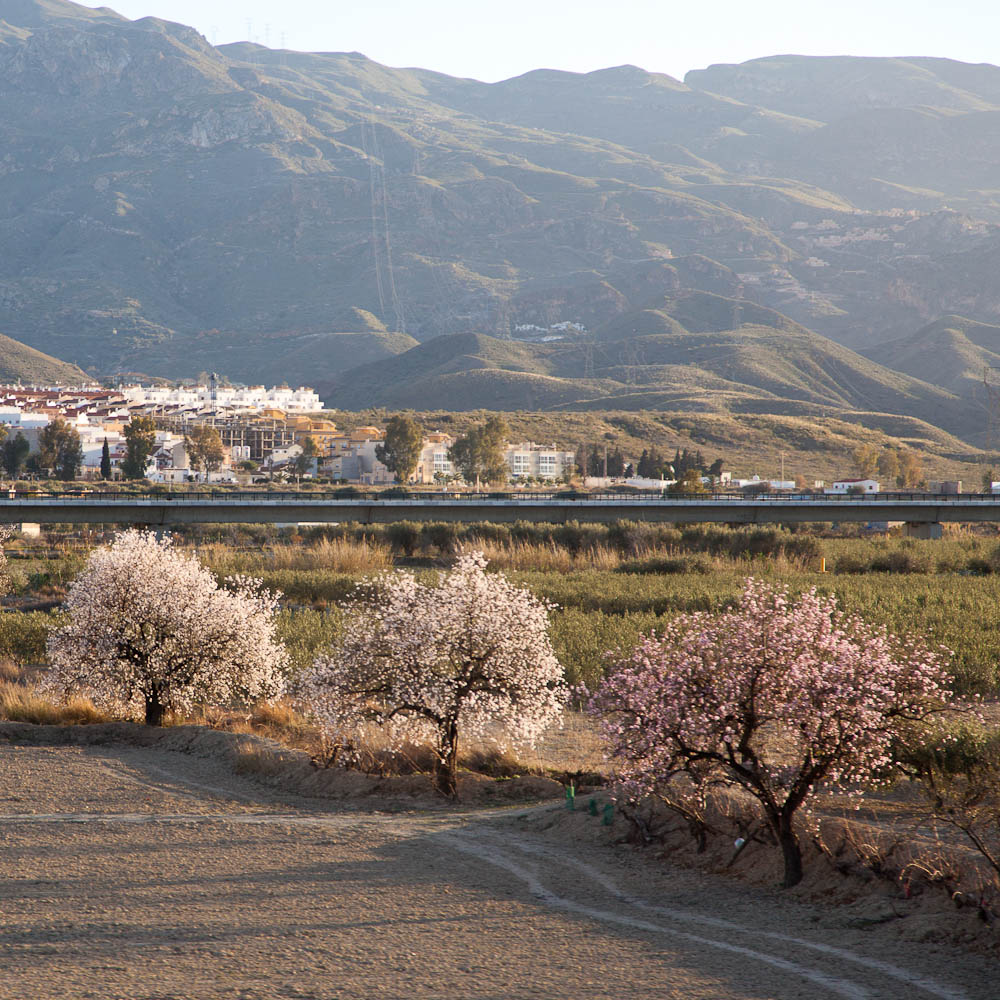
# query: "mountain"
20,363
167,206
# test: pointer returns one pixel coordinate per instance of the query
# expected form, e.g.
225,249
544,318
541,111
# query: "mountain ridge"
168,206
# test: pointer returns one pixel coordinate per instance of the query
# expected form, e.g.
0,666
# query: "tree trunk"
446,770
155,709
790,850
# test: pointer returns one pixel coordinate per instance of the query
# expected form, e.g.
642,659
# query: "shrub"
23,635
443,536
901,562
404,537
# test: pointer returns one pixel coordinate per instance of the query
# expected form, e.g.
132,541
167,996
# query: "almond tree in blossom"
151,630
775,696
470,657
5,534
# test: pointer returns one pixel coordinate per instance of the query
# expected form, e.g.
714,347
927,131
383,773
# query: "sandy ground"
131,872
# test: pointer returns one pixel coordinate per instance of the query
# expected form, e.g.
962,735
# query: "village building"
539,461
853,486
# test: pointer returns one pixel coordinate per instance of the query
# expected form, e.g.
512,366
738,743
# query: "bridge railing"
351,496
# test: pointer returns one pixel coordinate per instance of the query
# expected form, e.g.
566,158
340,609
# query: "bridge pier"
923,529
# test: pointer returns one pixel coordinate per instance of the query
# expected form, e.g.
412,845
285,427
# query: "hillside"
955,352
695,351
168,207
813,447
20,363
298,358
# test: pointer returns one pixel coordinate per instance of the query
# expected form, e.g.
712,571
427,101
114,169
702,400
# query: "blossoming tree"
150,629
774,696
470,657
5,533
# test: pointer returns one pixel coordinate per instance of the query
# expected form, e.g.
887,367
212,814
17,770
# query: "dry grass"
10,670
255,761
338,555
543,557
22,704
551,557
370,752
278,721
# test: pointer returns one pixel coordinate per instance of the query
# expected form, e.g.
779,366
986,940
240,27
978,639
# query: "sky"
504,38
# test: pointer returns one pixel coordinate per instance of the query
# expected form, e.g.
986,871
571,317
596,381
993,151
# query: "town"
215,433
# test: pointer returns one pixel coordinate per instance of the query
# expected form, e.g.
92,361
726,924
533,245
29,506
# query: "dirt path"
137,873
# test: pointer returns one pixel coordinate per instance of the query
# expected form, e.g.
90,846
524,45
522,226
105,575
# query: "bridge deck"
373,508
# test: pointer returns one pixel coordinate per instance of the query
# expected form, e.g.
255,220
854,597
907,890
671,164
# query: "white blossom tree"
468,658
5,534
151,630
775,696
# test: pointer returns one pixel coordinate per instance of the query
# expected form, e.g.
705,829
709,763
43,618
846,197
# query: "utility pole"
782,454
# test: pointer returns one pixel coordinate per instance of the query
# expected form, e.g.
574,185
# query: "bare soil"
140,864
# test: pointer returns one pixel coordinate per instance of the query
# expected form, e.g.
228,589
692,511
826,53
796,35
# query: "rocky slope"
168,206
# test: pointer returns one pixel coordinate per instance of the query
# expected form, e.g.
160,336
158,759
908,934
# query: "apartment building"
434,463
540,461
352,458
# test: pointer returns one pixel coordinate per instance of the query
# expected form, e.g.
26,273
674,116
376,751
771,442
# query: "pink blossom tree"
470,657
150,630
775,696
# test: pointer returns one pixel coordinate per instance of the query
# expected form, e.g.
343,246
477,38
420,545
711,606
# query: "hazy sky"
495,40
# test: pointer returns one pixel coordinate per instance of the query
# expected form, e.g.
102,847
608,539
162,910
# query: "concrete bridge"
922,513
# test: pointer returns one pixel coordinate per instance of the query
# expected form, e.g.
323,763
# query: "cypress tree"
105,461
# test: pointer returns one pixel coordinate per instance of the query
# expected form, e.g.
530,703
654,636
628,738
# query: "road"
134,872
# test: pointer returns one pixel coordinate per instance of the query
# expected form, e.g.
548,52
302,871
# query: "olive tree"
204,448
775,696
140,443
469,657
59,451
150,630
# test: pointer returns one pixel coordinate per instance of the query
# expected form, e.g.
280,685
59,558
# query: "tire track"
542,870
842,986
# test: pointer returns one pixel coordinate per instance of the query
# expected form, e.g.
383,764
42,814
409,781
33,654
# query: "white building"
434,463
224,397
853,486
352,458
543,462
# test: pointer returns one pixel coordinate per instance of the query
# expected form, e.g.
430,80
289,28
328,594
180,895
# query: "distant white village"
265,433
281,433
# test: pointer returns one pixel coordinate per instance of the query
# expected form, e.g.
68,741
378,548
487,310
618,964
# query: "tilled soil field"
139,872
